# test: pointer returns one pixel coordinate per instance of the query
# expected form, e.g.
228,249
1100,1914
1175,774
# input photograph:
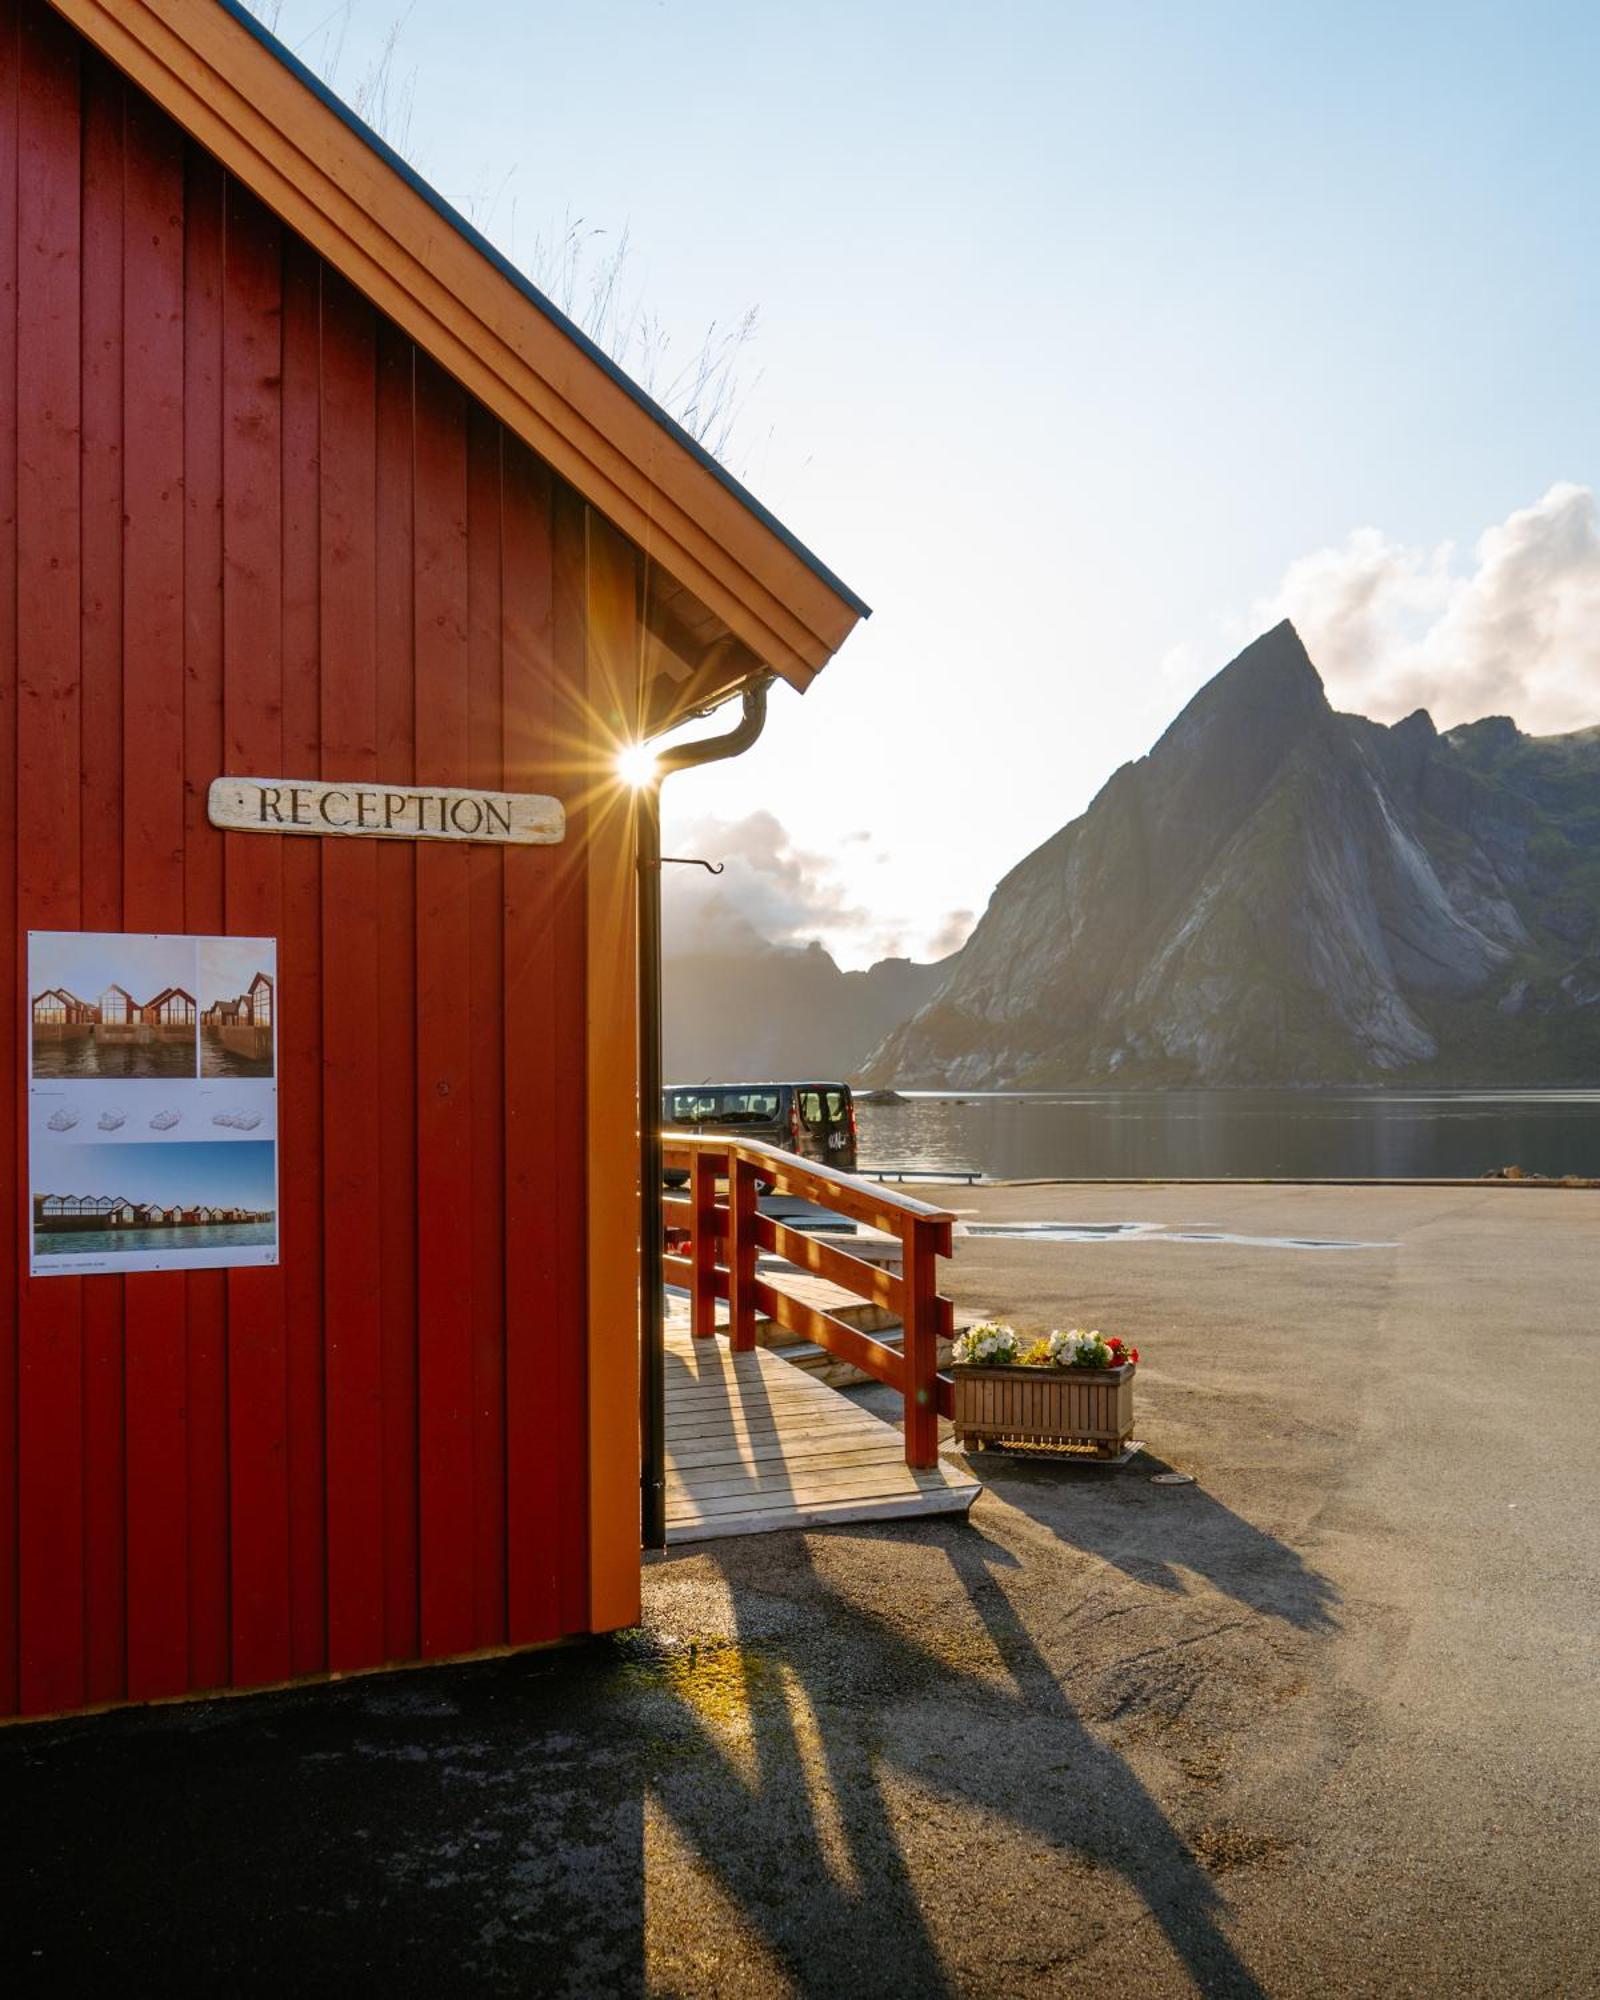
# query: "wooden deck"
755,1443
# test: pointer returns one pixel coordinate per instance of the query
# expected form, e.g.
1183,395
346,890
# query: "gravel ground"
1325,1722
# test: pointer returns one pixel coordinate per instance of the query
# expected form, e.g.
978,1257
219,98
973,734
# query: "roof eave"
220,74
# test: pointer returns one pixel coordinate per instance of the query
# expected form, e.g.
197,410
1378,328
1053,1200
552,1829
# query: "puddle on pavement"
1061,1232
1155,1232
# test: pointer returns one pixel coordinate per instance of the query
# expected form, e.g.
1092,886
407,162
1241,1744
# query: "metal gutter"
652,1238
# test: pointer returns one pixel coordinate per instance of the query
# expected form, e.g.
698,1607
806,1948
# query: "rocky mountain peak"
1270,689
1281,894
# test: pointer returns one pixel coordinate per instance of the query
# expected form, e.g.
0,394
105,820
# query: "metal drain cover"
1172,1479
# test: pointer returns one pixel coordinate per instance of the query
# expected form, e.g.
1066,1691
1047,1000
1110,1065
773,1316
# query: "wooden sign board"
385,812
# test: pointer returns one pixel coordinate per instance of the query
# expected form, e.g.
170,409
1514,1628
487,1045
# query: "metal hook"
693,861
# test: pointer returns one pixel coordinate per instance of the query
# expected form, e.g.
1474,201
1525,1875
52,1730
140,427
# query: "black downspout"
652,1239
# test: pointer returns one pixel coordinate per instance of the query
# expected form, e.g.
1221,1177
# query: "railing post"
922,1242
702,1245
741,1252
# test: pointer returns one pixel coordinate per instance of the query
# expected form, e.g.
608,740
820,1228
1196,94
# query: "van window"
748,1104
695,1107
836,1114
689,1106
811,1106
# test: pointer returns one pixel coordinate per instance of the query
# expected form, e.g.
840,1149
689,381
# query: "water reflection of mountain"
1237,1134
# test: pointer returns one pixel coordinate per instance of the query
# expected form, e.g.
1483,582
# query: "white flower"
990,1344
1076,1349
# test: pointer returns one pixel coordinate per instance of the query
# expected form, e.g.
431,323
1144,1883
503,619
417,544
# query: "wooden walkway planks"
754,1443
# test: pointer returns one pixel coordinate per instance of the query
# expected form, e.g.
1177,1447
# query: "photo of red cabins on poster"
152,1102
238,1008
154,1207
115,1005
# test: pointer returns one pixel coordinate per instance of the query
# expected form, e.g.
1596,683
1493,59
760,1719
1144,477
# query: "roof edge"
237,92
255,26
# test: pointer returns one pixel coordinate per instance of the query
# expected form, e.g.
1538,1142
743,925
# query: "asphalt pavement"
1324,1722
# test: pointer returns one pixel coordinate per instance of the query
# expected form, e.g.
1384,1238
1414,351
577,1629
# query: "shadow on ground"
1156,1534
809,1772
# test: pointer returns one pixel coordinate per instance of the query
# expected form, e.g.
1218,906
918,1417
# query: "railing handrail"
808,1178
726,1237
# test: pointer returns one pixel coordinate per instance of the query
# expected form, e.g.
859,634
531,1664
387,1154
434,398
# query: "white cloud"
952,934
1514,631
769,889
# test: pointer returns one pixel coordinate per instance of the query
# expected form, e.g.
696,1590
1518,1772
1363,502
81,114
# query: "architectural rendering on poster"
238,1007
115,1033
152,1120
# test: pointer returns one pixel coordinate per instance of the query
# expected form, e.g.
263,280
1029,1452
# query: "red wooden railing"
715,1231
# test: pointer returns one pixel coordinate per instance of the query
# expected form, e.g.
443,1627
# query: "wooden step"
752,1445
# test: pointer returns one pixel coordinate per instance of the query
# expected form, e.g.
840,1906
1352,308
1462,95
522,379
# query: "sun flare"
636,764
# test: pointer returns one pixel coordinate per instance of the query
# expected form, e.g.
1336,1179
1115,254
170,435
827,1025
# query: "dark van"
815,1120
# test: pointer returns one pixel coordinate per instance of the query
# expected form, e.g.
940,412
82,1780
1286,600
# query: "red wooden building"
297,476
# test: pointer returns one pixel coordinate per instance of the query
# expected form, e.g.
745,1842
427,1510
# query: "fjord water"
1236,1134
109,1242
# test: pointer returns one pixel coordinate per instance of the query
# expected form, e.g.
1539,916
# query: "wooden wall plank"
351,1080
13,1224
253,742
300,1126
612,690
564,1361
100,820
486,907
444,1071
49,849
397,1021
204,905
156,1330
533,1131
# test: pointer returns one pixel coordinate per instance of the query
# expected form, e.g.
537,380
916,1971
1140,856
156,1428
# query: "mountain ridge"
1279,893
740,1008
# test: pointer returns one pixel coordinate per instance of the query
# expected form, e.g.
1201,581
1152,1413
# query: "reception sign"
385,812
152,1102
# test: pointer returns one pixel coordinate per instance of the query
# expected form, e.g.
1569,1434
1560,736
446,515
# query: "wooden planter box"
1079,1412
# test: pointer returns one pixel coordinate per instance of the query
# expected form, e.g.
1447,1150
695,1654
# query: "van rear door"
825,1124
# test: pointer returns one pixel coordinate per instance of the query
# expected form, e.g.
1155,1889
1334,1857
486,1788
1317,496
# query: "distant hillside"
768,1011
1279,894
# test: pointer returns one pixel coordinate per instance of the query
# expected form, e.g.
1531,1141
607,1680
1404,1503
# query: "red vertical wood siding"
13,1031
246,527
351,1078
210,1589
396,1036
101,807
444,1061
252,730
300,1096
155,1352
533,1277
558,1363
49,846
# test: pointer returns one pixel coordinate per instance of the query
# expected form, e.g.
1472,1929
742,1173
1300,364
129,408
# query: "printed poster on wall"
152,1102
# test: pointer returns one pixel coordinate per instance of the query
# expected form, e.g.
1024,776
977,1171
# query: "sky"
86,963
1092,339
229,1176
227,966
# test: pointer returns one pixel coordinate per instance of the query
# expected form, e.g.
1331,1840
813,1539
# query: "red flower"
1133,1355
